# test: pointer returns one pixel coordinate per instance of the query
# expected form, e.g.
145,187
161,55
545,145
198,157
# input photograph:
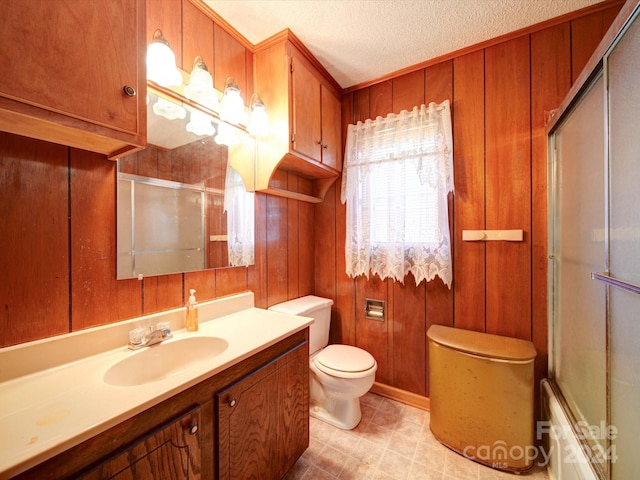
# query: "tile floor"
392,441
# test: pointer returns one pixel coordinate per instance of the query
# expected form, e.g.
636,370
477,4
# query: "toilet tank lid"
482,344
302,305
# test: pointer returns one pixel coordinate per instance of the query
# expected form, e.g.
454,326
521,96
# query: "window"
398,172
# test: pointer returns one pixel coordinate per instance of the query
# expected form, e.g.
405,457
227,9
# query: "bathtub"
563,453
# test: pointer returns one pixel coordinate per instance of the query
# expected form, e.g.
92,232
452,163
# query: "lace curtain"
239,205
398,171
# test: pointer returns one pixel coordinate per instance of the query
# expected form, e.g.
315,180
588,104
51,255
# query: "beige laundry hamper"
481,395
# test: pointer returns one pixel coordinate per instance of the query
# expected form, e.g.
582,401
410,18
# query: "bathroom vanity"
241,413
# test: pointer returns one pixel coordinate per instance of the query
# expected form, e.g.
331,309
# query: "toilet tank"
317,308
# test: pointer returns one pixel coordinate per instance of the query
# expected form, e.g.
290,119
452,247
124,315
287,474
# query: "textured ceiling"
361,40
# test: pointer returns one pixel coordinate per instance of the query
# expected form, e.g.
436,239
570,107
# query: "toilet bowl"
339,374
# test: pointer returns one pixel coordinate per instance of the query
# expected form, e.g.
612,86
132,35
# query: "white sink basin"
163,360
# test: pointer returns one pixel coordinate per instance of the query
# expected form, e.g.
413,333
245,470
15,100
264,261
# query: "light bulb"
161,62
200,124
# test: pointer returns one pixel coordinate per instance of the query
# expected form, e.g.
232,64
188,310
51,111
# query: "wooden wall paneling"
167,16
408,91
408,310
508,187
325,246
359,110
230,61
249,76
277,258
197,36
163,292
586,33
438,82
34,240
129,163
293,239
93,238
257,273
469,202
230,280
165,163
380,100
550,82
306,242
373,335
147,162
343,318
204,283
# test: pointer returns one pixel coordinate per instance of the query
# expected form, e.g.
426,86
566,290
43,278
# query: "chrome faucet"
139,338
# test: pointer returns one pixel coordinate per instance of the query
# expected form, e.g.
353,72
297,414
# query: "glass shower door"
624,258
579,365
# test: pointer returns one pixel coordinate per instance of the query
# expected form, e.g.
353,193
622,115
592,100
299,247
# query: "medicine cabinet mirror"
180,206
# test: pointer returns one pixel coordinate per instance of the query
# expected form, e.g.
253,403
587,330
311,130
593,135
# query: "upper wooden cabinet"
316,117
303,103
74,72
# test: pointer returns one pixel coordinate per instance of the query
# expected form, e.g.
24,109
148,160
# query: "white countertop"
45,412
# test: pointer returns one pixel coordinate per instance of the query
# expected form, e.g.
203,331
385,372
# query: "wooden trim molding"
402,396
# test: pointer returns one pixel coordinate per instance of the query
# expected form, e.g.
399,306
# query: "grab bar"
614,282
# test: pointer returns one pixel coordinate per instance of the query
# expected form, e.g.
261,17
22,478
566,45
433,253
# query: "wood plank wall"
502,95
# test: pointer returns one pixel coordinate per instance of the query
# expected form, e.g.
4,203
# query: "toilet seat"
345,361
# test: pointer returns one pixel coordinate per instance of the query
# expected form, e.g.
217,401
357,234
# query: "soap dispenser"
192,312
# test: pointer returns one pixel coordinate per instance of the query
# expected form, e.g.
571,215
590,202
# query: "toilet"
339,374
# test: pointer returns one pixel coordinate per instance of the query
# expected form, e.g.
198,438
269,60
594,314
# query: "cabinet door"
293,401
73,57
263,420
331,124
174,451
247,426
306,126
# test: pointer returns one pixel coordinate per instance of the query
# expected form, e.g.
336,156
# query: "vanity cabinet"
304,108
174,451
197,434
263,424
75,73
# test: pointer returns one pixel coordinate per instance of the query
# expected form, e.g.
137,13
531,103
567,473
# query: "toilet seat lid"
345,358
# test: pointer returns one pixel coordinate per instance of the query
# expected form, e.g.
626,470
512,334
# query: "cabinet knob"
233,402
129,91
319,142
325,146
193,429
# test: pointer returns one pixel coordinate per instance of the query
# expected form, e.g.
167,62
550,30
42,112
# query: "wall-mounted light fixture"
200,86
169,110
200,123
227,135
161,62
231,106
258,119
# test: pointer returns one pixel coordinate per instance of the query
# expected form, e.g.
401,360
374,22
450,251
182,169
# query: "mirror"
181,207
